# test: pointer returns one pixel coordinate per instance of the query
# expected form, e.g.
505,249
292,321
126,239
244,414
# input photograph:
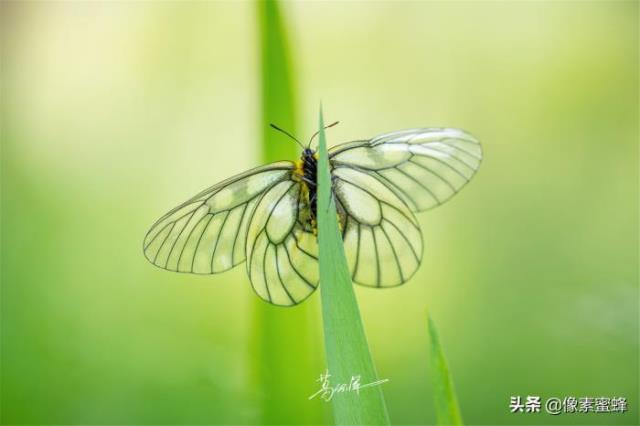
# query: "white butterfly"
266,216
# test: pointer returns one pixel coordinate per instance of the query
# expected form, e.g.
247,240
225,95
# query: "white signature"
327,391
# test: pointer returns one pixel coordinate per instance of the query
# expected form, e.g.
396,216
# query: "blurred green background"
114,112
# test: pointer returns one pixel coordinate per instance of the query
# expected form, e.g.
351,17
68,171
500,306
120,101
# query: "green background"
114,112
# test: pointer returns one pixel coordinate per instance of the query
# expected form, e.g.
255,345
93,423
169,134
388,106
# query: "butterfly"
266,217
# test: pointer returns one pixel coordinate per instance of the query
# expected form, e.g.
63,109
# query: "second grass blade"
284,341
446,402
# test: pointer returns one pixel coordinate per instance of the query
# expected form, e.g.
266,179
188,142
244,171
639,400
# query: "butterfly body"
307,171
266,217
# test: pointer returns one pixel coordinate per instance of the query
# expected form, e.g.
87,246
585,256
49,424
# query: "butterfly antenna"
316,133
287,133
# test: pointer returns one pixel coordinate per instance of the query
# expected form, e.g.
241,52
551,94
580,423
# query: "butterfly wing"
281,250
382,239
262,216
380,182
206,234
424,167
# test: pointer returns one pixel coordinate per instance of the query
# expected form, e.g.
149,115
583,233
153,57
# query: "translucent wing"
382,239
424,167
281,251
206,234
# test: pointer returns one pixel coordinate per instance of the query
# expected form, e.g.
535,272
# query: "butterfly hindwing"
382,238
281,251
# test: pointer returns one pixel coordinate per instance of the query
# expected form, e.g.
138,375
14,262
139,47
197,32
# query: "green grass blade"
446,402
278,95
345,342
284,342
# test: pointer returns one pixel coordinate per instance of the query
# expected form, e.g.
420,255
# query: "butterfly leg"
308,181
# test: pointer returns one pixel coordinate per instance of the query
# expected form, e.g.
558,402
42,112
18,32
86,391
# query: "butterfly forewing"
424,167
207,233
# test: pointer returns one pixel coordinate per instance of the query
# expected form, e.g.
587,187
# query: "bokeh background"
114,112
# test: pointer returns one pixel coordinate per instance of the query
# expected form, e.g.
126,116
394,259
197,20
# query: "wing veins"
355,267
383,202
163,241
395,255
156,236
469,153
449,184
420,184
440,161
192,212
349,148
221,185
406,239
455,156
173,246
382,179
296,269
215,247
187,240
235,239
280,277
263,229
301,249
375,248
264,270
271,213
200,239
389,184
253,213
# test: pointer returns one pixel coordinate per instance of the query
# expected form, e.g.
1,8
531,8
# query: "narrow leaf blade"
283,374
345,341
446,402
